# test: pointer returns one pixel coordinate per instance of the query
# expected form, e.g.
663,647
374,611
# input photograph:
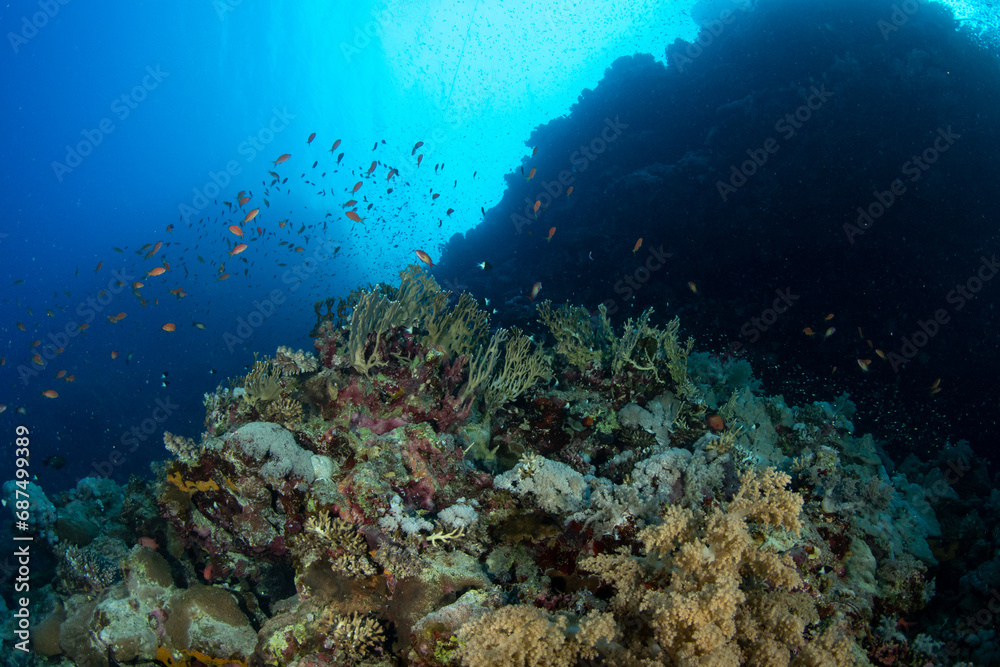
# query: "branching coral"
336,540
285,411
292,363
570,326
355,634
522,368
373,314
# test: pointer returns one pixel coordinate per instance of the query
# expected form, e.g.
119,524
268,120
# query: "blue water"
134,125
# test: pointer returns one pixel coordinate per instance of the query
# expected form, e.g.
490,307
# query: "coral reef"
429,493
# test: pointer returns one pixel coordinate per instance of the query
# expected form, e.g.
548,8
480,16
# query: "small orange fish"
166,265
350,203
425,258
870,343
551,234
20,325
61,374
692,286
415,147
864,363
334,146
829,332
828,317
70,378
156,271
236,229
36,342
531,174
37,359
99,265
244,200
299,248
357,186
638,244
310,139
3,361
169,326
860,335
569,191
282,158
420,158
156,248
84,326
50,393
937,383
170,229
372,168
880,353
808,331
148,542
435,195
114,354
535,289
351,215
449,211
137,285
238,249
533,151
59,350
251,215
392,172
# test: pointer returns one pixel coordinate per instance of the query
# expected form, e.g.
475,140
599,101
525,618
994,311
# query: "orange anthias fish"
535,289
828,317
335,144
354,216
156,248
114,354
538,205
692,286
350,203
415,147
425,258
357,186
70,378
156,271
251,215
638,244
310,139
569,191
392,172
61,374
236,229
864,363
420,158
808,331
99,265
282,158
50,393
531,174
829,332
244,200
137,285
238,249
223,276
552,232
169,326
372,168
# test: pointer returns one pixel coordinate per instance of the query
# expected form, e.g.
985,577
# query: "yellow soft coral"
703,571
